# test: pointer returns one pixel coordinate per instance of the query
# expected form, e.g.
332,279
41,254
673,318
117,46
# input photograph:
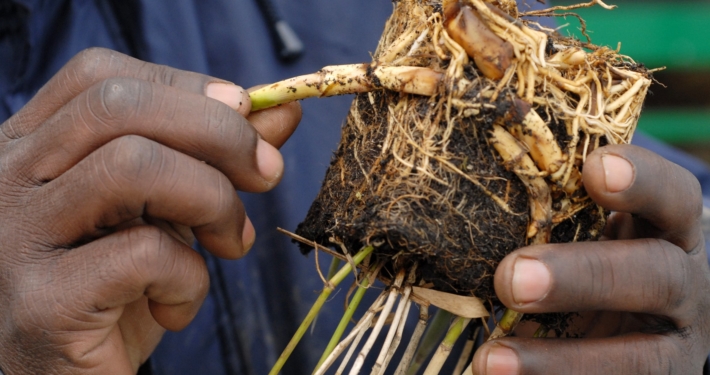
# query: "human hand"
643,289
107,161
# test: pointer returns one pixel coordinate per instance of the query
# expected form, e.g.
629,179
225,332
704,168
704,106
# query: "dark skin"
643,290
108,173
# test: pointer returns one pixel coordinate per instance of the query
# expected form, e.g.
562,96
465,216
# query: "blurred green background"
673,34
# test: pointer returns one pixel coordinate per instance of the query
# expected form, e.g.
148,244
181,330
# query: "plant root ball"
407,184
451,183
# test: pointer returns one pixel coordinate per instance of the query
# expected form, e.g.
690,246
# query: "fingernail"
248,234
229,94
269,160
502,361
531,280
618,173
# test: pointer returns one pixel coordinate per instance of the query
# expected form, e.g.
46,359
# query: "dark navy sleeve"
48,34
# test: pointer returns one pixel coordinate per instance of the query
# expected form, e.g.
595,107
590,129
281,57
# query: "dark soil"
455,232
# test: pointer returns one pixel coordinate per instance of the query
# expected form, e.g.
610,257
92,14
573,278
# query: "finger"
645,275
100,278
629,354
94,65
633,180
276,124
191,123
132,177
180,232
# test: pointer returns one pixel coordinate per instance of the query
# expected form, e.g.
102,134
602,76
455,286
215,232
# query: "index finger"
276,124
94,65
664,198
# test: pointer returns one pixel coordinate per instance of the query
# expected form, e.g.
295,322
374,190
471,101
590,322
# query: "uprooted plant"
465,141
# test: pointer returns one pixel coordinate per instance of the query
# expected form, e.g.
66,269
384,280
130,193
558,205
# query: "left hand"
643,289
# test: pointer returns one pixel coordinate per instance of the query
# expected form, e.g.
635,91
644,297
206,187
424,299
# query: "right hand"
97,171
641,291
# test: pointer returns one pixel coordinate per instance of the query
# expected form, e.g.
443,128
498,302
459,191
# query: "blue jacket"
256,303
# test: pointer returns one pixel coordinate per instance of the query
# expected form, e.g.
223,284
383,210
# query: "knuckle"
166,75
131,158
85,67
147,250
650,356
119,100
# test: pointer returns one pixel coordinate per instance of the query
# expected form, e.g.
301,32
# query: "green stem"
509,320
455,331
442,353
344,320
506,324
431,338
348,79
334,264
327,290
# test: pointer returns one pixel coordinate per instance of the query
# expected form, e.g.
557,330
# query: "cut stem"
398,336
465,353
347,79
506,324
444,349
432,337
327,290
360,360
414,341
380,363
356,334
